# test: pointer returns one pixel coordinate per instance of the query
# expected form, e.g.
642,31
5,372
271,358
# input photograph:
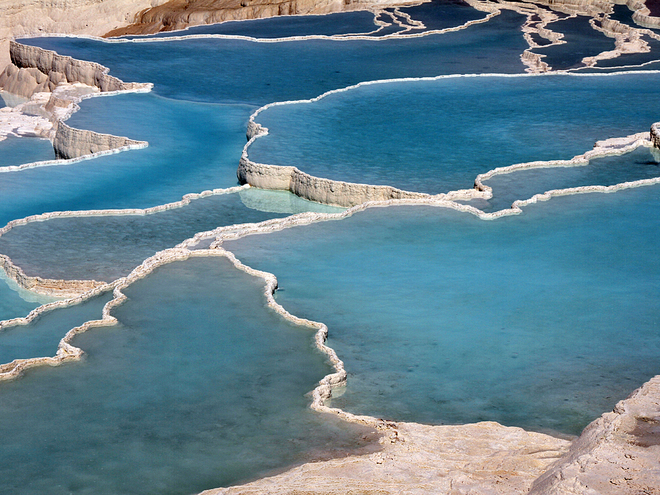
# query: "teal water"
16,151
41,337
12,305
171,400
244,73
108,247
200,386
543,321
636,165
427,136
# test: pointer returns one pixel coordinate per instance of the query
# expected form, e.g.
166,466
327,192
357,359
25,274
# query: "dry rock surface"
483,458
617,454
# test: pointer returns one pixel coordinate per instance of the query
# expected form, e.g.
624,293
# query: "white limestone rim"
42,286
476,4
71,161
607,147
603,148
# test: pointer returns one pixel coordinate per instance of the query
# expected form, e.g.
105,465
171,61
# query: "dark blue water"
443,14
283,27
240,71
582,40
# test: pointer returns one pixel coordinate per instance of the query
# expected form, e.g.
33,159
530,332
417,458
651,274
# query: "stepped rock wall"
73,143
33,69
326,191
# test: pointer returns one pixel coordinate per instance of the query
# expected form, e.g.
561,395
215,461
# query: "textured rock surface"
325,191
178,14
655,134
617,454
483,458
94,17
33,69
74,143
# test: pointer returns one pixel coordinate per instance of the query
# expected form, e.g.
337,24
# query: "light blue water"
192,148
16,151
171,400
543,321
41,337
108,247
259,73
201,386
12,305
428,136
283,27
606,171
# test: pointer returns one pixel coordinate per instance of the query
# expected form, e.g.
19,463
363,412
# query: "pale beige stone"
484,458
618,454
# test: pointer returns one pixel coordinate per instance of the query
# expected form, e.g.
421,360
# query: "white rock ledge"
74,143
326,191
33,69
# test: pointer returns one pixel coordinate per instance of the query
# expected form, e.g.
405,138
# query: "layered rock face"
93,17
178,14
326,191
74,143
34,70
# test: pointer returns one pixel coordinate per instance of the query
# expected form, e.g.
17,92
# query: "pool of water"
108,247
582,40
239,71
199,386
444,318
283,26
427,136
12,305
41,337
636,165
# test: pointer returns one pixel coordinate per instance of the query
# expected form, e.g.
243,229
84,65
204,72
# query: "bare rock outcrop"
178,14
33,70
74,143
22,18
483,458
618,454
326,191
655,134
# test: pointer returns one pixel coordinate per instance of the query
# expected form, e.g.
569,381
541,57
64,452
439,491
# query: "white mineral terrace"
617,453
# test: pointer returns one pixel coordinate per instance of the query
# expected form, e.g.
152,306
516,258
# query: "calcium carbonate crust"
483,458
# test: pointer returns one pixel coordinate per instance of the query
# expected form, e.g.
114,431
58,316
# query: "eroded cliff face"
74,143
178,14
617,454
93,17
32,70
